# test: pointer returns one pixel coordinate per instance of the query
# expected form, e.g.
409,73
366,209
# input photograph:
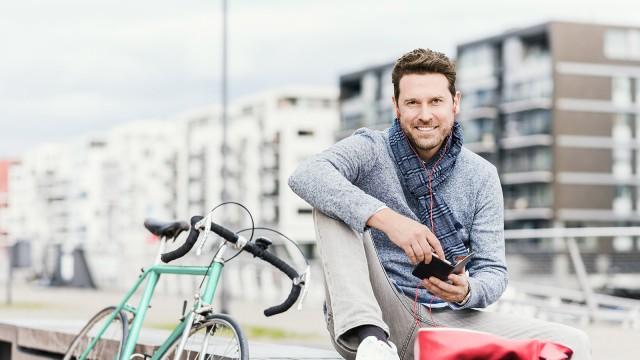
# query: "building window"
526,196
479,130
527,159
480,98
622,154
622,201
622,44
621,90
476,61
539,88
535,50
525,123
615,44
305,132
287,102
305,211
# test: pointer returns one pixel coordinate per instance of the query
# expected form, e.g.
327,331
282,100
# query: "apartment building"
268,134
81,204
556,108
272,133
139,179
38,198
198,133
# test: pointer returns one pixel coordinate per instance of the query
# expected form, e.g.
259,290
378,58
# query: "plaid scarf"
445,226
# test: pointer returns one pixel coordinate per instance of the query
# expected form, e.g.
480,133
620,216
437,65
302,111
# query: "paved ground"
299,330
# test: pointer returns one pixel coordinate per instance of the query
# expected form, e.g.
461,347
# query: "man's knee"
581,344
574,338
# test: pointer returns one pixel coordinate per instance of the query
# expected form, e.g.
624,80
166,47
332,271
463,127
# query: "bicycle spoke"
218,338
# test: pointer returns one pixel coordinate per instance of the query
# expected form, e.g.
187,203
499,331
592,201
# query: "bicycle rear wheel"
219,335
110,344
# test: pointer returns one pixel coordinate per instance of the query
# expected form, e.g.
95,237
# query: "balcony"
526,141
528,214
526,177
525,105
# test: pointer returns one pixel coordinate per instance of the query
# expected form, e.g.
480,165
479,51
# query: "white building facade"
273,132
93,194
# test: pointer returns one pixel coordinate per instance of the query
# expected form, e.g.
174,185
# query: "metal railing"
579,302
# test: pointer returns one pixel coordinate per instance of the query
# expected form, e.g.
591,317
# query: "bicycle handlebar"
282,266
251,248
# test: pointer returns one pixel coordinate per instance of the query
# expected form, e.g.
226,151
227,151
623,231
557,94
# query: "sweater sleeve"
488,271
328,181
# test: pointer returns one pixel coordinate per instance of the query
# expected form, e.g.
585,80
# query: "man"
386,200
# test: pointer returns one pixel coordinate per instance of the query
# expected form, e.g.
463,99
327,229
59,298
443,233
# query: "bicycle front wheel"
218,337
110,344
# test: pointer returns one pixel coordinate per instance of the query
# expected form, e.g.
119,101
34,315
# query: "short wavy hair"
423,61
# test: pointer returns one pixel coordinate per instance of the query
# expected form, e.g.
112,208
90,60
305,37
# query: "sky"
74,67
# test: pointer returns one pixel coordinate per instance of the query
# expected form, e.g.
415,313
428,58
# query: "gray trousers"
358,292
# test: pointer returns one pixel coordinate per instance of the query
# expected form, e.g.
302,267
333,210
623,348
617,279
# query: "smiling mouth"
425,128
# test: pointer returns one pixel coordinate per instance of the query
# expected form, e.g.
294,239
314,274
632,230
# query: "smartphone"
440,268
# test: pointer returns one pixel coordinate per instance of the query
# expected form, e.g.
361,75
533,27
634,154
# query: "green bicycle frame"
153,273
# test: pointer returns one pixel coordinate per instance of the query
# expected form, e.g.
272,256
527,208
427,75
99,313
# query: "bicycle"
113,332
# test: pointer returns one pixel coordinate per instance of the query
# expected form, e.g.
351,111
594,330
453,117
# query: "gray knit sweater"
358,175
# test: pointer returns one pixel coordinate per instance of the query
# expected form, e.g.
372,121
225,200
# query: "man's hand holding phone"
449,283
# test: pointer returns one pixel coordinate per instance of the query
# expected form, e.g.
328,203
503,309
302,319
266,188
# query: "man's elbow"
294,180
504,277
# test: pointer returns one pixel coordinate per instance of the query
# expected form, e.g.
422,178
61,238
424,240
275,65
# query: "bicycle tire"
227,341
112,340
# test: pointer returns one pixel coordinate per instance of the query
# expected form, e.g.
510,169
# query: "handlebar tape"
188,244
226,234
285,268
293,297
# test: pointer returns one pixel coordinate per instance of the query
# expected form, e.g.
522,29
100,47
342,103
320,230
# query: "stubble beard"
425,145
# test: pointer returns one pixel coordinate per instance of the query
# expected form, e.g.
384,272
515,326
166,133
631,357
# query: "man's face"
426,111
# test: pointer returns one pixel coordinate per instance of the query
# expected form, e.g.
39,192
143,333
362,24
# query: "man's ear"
456,103
395,106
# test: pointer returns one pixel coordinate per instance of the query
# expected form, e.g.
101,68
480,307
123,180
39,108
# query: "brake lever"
304,279
206,221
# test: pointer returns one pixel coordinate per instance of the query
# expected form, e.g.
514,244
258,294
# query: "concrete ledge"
43,340
25,343
38,340
31,340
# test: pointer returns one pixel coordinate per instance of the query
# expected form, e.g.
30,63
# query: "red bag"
459,344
